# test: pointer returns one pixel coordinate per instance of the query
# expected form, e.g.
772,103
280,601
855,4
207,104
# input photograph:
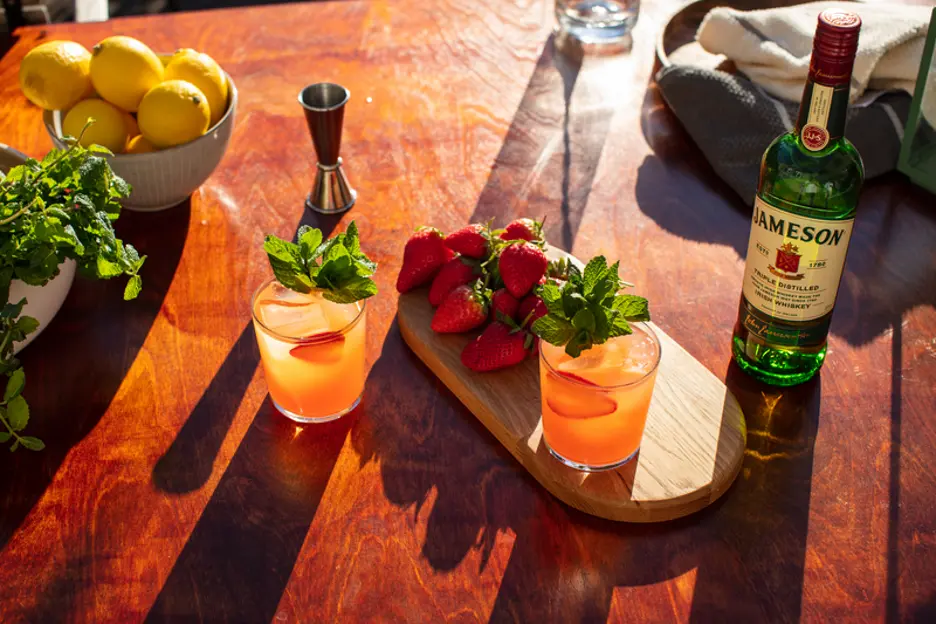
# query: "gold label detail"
794,264
815,132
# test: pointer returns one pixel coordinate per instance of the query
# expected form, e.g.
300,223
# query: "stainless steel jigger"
324,104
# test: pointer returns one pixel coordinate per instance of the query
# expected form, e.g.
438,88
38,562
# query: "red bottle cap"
834,47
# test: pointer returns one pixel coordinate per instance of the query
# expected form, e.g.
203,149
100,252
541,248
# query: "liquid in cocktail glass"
312,351
595,406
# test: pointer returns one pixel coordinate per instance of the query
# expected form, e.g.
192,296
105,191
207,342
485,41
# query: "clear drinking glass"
312,352
595,406
597,21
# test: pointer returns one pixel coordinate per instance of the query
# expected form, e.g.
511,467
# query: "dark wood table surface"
171,489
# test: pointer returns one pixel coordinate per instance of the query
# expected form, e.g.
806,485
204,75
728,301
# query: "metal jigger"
324,104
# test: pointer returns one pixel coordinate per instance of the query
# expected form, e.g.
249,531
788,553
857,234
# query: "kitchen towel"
772,47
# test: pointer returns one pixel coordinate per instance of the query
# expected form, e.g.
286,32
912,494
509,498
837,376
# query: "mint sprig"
337,266
588,310
59,208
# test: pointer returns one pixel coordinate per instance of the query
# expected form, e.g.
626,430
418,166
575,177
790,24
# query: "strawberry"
454,273
499,346
531,308
462,310
424,254
521,267
471,241
505,303
523,229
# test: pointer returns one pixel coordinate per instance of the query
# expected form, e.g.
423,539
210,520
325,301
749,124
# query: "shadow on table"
240,555
748,548
550,155
187,463
76,366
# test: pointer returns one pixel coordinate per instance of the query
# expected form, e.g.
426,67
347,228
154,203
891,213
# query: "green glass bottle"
810,179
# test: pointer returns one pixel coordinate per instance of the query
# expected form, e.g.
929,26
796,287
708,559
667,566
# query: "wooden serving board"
691,450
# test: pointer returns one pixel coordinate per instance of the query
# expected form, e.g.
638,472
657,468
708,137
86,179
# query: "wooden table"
171,488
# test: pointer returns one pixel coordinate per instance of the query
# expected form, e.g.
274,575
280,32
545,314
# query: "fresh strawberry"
521,267
462,310
454,273
424,254
531,308
505,303
499,346
523,229
471,241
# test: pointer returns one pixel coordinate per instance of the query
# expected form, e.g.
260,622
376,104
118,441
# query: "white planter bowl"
165,178
43,302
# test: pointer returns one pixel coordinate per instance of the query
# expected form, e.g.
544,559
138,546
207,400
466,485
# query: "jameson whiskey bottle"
810,179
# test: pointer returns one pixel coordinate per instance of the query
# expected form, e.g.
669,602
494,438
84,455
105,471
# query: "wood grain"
692,447
167,479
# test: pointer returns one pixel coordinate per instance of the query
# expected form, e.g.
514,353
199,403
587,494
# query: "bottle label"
794,263
822,115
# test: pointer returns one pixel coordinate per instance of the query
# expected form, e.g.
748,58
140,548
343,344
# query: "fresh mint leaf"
4,437
619,327
551,296
12,310
15,384
632,307
553,329
26,325
133,288
353,290
309,239
595,271
17,413
584,320
33,444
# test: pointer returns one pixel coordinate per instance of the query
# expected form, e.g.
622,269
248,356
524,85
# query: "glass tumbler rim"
299,339
656,364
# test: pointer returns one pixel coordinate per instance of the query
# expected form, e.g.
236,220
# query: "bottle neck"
824,106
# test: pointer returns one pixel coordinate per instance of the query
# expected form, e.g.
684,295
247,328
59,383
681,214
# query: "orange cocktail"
312,352
595,406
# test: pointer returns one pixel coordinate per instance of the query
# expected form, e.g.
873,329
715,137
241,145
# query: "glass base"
586,467
598,21
307,420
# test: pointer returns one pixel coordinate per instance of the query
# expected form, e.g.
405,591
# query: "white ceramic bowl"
42,302
165,178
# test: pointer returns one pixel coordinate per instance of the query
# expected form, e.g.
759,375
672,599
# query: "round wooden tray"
691,451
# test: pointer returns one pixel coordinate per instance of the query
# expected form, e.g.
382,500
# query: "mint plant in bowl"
55,215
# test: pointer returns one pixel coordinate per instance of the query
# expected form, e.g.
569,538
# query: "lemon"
203,72
172,113
140,145
109,128
132,128
123,70
56,75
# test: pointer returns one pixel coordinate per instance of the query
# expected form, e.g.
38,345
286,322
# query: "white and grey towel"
734,117
773,47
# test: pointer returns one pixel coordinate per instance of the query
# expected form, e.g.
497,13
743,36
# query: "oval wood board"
692,447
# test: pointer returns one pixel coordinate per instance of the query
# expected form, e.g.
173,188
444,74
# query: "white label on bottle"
815,132
794,263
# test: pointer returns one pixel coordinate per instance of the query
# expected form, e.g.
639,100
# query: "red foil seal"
834,47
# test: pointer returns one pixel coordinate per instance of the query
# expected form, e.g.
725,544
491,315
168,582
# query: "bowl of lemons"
166,118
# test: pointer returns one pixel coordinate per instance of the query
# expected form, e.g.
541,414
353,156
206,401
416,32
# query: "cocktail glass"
595,406
312,352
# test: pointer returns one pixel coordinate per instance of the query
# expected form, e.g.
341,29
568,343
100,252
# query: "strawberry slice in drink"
571,396
322,348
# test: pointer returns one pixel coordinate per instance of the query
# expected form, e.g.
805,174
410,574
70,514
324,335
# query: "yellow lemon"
56,75
172,113
109,128
132,128
140,145
123,70
203,72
